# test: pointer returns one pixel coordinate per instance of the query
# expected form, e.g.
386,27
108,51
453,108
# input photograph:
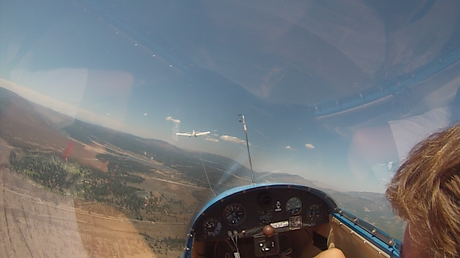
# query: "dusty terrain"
37,223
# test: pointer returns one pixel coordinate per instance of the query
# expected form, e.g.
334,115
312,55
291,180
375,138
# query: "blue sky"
144,68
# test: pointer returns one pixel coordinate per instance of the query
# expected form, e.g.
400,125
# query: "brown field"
35,222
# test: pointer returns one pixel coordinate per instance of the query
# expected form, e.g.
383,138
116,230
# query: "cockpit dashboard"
261,220
284,207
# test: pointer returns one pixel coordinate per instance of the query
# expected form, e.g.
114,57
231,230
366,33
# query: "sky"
154,70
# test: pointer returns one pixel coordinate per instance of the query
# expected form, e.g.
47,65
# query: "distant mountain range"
29,125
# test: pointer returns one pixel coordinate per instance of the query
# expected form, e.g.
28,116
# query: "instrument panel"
246,213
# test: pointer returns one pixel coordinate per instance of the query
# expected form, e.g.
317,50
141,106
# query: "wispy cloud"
176,121
145,114
233,139
211,139
288,148
309,145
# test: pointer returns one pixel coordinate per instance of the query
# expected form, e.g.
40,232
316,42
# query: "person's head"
425,192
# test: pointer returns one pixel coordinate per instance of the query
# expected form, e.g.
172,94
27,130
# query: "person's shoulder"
331,253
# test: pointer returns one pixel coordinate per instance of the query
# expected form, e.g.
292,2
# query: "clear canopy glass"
119,120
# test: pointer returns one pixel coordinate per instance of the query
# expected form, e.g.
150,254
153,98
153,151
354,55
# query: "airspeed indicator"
234,214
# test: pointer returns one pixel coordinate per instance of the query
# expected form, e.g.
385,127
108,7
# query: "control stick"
268,244
268,231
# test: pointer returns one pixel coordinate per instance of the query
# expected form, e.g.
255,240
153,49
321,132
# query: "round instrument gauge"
211,227
234,214
294,205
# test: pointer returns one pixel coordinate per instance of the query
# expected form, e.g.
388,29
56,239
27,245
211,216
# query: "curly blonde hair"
425,192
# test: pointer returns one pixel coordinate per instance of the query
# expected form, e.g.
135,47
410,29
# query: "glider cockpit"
281,220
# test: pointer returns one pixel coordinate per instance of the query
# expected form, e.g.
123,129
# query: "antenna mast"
247,145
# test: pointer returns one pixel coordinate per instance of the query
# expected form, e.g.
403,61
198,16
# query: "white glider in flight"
193,133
